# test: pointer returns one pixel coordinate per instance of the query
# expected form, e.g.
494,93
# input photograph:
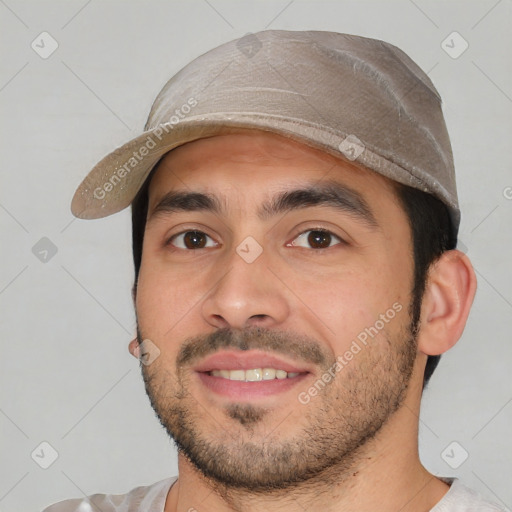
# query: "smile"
253,375
249,375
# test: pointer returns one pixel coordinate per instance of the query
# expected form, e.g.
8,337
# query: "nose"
246,295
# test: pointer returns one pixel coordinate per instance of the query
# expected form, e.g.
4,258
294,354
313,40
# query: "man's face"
275,281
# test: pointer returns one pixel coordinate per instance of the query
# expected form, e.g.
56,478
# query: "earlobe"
134,349
449,294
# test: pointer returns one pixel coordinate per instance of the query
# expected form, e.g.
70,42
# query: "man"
295,219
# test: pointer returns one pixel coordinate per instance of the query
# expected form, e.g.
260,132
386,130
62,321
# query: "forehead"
255,163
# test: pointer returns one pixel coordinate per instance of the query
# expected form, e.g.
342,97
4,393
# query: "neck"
384,474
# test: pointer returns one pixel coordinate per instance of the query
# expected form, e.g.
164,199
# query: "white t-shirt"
152,499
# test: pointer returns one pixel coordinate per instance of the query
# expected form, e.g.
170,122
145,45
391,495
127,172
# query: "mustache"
287,343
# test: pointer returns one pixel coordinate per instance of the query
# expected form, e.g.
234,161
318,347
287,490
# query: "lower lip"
242,390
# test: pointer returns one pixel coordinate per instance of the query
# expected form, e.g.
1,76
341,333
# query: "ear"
449,294
134,348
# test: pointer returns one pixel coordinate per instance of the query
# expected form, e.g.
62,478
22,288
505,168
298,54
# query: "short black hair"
431,230
432,235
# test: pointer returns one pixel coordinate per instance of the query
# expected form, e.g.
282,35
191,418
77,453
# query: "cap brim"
114,182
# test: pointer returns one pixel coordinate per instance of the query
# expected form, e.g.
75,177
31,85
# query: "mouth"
248,375
253,375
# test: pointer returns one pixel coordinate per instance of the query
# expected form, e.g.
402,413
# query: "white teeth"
269,373
237,375
281,374
253,375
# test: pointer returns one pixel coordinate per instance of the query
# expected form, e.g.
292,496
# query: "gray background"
66,318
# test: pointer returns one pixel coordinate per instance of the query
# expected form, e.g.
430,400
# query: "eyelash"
290,244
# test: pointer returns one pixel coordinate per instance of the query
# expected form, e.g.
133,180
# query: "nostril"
257,321
220,321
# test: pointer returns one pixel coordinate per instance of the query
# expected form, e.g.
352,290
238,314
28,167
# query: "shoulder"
150,497
463,499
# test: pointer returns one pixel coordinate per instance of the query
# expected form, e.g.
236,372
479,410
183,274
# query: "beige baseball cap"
358,98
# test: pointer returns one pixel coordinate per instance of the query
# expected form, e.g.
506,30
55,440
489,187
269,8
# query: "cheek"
165,296
349,301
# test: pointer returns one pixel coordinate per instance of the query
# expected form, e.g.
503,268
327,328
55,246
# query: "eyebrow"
328,193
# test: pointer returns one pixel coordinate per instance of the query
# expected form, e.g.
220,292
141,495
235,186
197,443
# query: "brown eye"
316,239
192,240
319,239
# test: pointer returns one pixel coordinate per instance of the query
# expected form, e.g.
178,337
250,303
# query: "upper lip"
247,360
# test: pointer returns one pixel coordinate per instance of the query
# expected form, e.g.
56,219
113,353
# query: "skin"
327,295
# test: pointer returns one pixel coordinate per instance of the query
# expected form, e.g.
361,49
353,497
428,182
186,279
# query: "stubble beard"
336,425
